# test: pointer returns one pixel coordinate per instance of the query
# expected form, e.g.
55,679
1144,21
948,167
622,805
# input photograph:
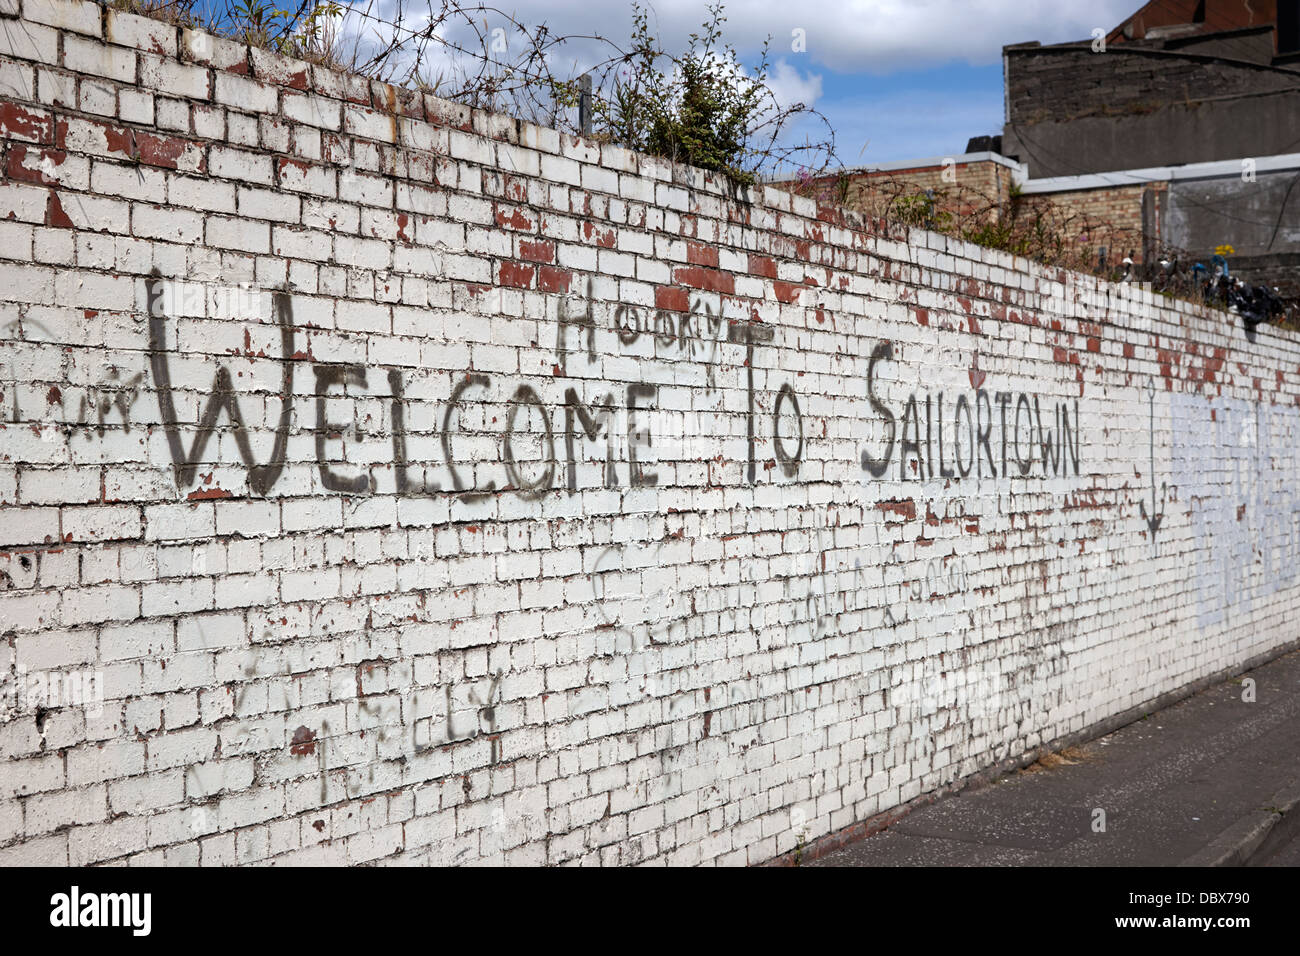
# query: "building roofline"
928,162
959,159
1217,169
1223,168
1136,49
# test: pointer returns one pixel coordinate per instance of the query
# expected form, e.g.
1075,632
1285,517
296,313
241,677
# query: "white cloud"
790,86
880,36
848,36
845,35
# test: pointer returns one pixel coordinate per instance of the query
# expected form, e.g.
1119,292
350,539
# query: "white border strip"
1129,177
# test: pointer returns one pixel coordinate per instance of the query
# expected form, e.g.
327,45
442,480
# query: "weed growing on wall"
701,108
1054,234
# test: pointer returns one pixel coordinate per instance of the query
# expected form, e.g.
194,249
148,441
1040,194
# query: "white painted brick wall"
421,517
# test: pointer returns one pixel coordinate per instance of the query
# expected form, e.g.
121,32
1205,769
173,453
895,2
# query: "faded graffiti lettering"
954,438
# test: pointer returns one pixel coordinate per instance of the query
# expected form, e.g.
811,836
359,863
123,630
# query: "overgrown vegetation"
1052,233
700,106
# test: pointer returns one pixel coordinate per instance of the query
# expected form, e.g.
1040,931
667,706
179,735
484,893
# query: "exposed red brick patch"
604,238
165,151
54,214
709,280
26,124
764,266
515,188
786,292
542,251
903,507
303,743
28,164
672,298
553,279
514,218
697,253
516,275
204,494
827,212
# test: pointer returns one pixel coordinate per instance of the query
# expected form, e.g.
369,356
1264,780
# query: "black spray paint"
952,437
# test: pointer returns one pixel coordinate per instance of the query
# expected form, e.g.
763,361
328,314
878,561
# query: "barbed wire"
502,64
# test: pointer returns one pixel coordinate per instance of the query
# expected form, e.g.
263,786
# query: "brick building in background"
1179,131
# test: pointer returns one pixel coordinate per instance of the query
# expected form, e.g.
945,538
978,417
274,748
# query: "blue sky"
898,79
911,114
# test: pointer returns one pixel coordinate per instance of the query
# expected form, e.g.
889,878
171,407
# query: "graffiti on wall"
998,434
591,421
1234,465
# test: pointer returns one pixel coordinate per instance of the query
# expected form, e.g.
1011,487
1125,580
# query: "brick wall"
1063,83
1116,208
384,479
1071,110
964,190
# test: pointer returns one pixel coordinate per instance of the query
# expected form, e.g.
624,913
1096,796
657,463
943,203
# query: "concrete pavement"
1204,782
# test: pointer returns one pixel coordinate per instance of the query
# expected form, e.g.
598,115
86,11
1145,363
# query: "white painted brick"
488,677
161,222
178,79
93,57
97,98
245,94
80,16
22,202
196,193
130,182
269,204
369,124
242,234
240,164
29,41
143,33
